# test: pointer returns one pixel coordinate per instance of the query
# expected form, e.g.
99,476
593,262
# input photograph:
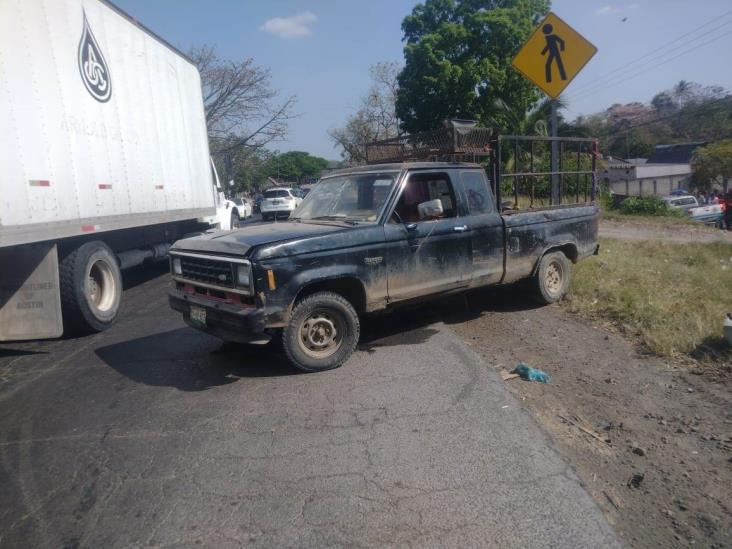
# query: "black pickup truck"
364,240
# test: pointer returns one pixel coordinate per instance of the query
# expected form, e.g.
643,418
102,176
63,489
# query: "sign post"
556,197
552,56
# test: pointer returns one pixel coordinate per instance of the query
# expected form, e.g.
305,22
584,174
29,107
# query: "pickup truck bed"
573,229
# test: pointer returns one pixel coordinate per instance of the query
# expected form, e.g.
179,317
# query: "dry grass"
673,296
656,221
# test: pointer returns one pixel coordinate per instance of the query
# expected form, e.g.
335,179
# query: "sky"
321,50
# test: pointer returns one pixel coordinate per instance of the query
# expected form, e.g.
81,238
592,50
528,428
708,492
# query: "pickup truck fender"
343,279
568,248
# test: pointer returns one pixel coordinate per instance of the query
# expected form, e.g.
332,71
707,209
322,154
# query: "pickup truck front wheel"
323,332
552,277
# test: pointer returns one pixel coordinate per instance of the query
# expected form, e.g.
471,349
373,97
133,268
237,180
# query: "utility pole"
555,199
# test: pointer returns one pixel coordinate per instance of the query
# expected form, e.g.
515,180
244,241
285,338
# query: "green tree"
251,169
296,166
458,61
713,164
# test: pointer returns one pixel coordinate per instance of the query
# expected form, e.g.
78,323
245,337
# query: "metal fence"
529,171
544,171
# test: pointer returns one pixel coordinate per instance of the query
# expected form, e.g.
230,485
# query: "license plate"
198,315
277,202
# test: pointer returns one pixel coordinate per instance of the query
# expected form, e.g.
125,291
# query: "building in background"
667,169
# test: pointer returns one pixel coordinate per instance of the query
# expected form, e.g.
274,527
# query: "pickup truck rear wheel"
323,332
91,288
552,277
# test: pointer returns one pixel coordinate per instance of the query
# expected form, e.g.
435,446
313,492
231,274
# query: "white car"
711,214
279,202
231,213
683,202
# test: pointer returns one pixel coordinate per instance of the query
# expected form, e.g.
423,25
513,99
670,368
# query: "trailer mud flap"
30,301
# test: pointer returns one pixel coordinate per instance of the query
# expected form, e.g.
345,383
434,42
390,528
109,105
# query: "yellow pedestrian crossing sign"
553,55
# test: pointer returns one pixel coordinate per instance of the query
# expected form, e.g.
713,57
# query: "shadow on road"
143,273
5,352
410,325
191,361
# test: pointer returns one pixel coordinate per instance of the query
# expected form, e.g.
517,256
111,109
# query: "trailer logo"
93,67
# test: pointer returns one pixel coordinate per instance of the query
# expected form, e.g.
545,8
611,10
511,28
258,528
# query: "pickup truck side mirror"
431,208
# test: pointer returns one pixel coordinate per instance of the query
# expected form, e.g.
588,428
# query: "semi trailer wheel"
91,288
322,333
552,278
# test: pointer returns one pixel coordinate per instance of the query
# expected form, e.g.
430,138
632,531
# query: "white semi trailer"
104,161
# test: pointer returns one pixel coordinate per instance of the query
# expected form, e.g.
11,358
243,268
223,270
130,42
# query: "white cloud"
295,26
607,10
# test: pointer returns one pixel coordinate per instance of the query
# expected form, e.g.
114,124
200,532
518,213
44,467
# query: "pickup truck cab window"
478,197
355,198
421,188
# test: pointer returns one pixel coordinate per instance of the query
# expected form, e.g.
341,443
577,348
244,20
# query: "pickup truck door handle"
460,228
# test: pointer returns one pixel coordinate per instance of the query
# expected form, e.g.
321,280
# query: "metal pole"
556,199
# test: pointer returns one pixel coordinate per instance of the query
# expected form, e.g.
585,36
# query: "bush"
647,205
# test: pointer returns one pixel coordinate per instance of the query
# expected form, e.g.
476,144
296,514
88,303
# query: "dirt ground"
645,230
650,438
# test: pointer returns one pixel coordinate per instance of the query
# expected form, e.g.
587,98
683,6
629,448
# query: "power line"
663,47
592,90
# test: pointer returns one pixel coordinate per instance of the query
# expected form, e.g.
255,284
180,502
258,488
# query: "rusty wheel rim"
321,333
554,278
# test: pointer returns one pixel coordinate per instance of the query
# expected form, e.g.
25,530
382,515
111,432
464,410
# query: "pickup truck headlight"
177,269
244,275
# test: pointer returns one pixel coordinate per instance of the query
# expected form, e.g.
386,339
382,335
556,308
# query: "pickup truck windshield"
357,197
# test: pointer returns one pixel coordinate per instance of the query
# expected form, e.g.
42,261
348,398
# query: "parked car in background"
683,203
279,202
712,214
242,208
231,212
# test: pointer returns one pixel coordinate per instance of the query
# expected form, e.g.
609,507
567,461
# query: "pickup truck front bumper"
222,320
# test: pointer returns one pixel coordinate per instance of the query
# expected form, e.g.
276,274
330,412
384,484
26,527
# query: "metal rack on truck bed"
519,166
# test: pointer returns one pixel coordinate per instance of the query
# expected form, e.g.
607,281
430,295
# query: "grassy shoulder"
674,296
659,221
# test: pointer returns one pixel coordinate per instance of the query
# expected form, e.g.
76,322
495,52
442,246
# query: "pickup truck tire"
552,277
91,288
323,332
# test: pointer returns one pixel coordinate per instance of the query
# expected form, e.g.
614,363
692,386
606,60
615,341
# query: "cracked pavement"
155,434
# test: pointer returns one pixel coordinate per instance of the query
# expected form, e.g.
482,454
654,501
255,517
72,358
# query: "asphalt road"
155,434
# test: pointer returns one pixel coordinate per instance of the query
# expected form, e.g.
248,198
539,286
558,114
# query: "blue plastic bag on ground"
529,373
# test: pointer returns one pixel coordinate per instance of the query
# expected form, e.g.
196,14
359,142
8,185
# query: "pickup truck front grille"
217,273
